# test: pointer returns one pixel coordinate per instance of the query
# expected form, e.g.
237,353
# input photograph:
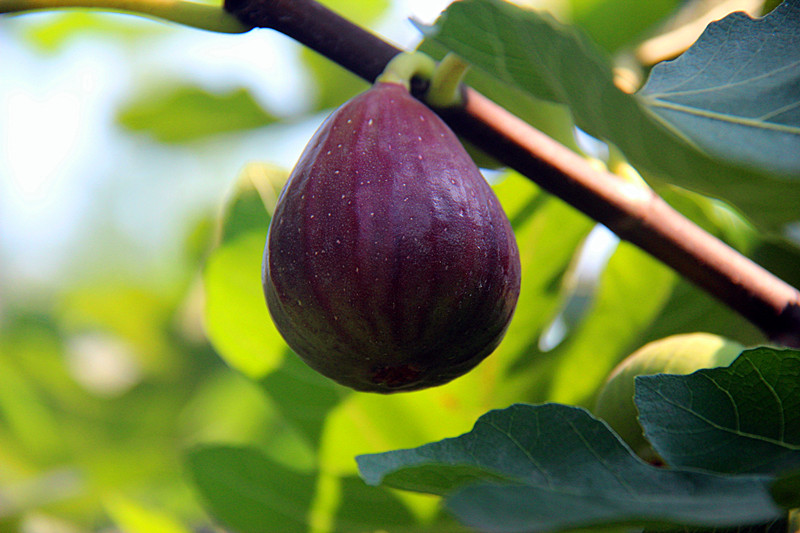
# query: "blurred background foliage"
143,387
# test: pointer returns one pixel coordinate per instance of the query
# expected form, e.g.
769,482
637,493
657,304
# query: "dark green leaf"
538,55
742,418
554,467
735,93
248,492
181,113
366,508
303,396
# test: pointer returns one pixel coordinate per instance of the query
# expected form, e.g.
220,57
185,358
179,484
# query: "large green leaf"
303,396
538,55
249,492
554,467
183,113
734,92
742,418
237,319
615,23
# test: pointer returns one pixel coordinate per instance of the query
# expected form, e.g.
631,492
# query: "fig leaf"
554,467
742,418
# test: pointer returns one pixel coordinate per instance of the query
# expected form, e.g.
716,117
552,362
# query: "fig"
390,264
677,354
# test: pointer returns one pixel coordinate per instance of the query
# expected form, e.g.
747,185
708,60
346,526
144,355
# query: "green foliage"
143,402
746,113
554,467
54,33
729,420
538,55
183,113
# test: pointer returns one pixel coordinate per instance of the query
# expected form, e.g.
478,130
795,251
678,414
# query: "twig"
194,14
635,214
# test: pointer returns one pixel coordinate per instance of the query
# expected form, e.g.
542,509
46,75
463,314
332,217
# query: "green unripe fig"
678,354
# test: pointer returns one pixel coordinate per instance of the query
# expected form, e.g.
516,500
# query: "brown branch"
635,214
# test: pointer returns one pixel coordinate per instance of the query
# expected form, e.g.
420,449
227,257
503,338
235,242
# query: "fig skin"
677,354
390,264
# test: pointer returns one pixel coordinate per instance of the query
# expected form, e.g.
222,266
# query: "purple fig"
390,265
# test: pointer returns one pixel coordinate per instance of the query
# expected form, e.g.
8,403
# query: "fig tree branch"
635,214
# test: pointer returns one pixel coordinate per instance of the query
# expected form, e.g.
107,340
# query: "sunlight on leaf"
237,319
131,517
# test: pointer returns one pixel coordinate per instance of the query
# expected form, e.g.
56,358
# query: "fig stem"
445,89
634,213
405,66
196,15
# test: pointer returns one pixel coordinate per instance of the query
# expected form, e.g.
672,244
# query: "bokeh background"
125,341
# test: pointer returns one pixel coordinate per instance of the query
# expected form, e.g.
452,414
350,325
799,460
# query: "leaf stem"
445,89
202,16
405,66
633,212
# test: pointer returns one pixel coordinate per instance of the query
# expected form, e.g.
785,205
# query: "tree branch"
635,214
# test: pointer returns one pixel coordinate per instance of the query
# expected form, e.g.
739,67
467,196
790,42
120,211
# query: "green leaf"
616,317
237,319
182,113
363,508
734,92
131,517
615,23
736,419
536,54
250,493
554,467
51,33
249,205
303,396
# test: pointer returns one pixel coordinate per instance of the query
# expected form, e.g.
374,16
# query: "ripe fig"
390,264
678,354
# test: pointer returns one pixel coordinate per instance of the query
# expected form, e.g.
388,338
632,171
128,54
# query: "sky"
64,163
